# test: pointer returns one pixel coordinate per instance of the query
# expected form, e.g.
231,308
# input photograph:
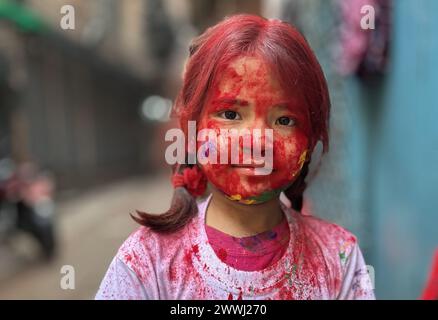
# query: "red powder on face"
249,79
226,102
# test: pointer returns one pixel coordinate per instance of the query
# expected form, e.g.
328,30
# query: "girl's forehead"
248,65
248,76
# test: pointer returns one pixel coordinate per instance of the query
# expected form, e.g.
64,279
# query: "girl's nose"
255,140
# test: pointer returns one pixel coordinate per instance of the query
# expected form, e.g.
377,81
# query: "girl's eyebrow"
231,101
282,104
286,105
228,101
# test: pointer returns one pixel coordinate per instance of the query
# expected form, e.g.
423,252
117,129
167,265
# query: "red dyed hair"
291,60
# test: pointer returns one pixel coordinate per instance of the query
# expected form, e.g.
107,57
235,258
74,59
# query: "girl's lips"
247,170
241,165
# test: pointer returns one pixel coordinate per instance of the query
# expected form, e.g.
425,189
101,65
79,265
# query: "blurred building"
74,97
69,110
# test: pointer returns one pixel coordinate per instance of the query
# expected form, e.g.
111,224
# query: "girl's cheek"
205,122
212,169
223,141
288,153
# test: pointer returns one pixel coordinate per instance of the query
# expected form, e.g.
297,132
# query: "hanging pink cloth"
363,51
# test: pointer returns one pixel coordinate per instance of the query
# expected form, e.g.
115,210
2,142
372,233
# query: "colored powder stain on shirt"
128,257
187,266
172,273
222,254
250,253
239,297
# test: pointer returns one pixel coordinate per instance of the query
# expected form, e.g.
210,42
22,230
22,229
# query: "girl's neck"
240,220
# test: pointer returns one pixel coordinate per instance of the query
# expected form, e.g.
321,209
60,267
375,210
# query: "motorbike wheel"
41,227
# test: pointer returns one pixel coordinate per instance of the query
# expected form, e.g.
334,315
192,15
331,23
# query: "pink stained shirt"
322,261
250,253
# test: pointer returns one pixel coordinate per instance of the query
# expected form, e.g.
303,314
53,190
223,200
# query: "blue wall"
394,148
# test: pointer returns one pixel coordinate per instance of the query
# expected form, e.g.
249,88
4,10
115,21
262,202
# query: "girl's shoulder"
147,247
328,234
147,238
328,230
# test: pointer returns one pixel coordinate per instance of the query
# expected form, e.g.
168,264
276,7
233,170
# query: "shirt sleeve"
356,284
121,283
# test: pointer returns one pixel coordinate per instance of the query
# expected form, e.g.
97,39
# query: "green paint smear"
265,196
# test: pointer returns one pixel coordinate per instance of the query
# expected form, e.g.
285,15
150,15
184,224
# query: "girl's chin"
240,191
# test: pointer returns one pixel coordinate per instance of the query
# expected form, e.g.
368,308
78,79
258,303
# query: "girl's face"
247,96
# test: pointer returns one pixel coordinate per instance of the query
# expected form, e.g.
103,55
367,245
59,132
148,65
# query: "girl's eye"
230,115
285,121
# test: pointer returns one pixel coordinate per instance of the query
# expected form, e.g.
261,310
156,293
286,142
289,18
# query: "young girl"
240,241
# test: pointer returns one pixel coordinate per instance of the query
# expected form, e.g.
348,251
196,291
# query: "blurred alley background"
83,114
